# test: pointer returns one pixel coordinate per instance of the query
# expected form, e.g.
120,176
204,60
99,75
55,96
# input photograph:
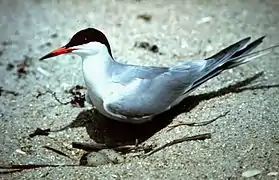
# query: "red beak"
56,52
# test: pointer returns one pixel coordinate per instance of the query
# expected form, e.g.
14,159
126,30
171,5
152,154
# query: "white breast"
95,71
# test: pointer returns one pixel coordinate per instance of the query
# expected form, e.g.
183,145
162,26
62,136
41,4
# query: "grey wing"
162,88
158,94
128,73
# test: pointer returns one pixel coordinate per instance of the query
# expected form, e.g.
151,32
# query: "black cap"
88,35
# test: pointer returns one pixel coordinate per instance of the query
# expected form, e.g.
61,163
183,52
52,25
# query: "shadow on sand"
113,133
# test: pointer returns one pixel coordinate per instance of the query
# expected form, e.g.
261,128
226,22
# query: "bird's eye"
85,39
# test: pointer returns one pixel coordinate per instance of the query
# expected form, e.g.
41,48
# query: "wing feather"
157,89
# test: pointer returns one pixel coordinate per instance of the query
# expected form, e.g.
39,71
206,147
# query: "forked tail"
232,56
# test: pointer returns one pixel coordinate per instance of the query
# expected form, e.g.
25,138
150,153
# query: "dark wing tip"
261,38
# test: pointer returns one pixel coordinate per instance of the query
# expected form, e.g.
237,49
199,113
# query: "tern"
134,93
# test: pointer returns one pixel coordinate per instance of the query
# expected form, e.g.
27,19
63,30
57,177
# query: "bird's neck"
100,60
97,72
98,67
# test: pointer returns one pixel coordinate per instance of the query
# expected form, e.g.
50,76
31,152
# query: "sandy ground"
245,139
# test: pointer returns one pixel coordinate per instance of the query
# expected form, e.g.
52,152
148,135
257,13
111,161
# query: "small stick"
203,123
183,139
20,167
40,132
57,151
89,146
56,98
7,91
98,146
39,93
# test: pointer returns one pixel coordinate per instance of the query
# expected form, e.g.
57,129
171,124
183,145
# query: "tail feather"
229,50
216,64
250,47
222,56
236,59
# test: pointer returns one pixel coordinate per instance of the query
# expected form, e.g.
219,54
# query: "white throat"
96,63
97,66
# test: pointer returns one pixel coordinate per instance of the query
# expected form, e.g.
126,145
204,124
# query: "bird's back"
147,91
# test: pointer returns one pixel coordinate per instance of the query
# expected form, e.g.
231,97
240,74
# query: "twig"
203,123
39,93
56,98
7,91
11,171
77,100
20,167
98,146
89,146
129,148
57,151
40,132
183,139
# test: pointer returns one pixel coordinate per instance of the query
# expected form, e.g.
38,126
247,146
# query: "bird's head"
85,42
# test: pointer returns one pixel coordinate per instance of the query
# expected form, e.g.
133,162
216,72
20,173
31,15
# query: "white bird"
135,94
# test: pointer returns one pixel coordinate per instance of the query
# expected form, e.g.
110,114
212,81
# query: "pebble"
251,173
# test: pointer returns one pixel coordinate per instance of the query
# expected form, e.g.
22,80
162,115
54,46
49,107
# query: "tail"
232,56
